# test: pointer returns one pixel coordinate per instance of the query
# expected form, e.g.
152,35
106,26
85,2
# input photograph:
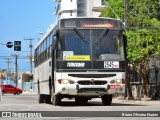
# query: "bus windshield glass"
99,44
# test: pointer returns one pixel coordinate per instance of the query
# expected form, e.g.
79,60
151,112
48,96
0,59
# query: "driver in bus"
105,46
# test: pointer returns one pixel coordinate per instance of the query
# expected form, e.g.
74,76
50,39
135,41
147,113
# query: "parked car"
10,89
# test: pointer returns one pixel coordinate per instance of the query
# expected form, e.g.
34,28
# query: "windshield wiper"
79,34
105,31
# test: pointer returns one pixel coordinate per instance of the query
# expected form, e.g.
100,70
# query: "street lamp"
40,33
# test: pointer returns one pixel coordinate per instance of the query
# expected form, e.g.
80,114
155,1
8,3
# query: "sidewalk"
143,100
28,92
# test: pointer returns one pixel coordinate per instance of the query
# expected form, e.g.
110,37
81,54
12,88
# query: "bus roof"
52,26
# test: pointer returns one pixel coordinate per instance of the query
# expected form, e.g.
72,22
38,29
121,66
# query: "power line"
12,51
23,70
113,12
20,57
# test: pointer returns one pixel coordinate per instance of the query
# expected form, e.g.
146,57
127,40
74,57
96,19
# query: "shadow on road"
91,103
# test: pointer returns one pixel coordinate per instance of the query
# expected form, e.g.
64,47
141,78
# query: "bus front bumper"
90,90
83,90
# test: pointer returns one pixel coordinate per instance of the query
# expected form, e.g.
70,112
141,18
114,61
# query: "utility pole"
8,68
126,66
16,69
125,11
31,76
0,88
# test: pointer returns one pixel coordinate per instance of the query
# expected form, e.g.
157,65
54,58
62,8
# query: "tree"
115,9
154,9
143,32
143,36
142,44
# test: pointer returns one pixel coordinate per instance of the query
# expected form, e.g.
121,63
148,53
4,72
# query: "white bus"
81,58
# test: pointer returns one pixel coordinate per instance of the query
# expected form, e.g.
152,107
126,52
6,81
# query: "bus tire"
78,100
107,99
56,100
85,101
41,98
48,99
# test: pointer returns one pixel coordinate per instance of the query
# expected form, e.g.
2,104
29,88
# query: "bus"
81,59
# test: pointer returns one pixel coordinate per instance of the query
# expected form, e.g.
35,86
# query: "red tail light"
60,81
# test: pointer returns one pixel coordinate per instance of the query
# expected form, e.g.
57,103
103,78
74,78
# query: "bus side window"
56,46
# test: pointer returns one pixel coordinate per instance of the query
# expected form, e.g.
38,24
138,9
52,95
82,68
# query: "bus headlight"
65,81
118,81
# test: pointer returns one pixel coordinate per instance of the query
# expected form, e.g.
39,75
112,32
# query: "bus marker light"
60,81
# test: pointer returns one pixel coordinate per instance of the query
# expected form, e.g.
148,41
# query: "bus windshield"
99,44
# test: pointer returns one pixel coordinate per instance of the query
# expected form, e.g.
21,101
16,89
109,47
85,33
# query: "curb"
26,92
142,100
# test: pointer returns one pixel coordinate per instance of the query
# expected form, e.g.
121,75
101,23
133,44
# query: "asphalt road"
26,104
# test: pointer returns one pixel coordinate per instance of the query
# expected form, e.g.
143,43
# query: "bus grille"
87,82
91,90
92,75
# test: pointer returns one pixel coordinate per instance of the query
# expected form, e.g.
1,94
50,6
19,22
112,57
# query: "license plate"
115,86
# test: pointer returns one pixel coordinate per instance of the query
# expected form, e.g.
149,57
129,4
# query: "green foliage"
140,13
116,6
154,8
142,44
143,32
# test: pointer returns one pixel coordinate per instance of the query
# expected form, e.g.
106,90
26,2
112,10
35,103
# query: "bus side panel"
42,74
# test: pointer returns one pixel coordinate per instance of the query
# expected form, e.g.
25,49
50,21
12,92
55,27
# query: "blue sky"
21,19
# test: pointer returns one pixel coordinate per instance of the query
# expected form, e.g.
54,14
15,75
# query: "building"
78,8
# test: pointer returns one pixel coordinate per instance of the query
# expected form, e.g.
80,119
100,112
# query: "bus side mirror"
125,45
125,40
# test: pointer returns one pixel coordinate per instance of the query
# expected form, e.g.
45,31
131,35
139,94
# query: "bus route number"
110,64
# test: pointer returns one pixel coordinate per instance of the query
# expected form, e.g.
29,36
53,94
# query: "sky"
21,19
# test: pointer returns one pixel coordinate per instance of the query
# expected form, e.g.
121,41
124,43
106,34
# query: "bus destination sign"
89,23
96,25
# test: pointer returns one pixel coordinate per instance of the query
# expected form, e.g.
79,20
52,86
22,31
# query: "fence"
153,86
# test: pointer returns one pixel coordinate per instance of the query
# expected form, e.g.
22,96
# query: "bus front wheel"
107,99
41,98
48,99
56,100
